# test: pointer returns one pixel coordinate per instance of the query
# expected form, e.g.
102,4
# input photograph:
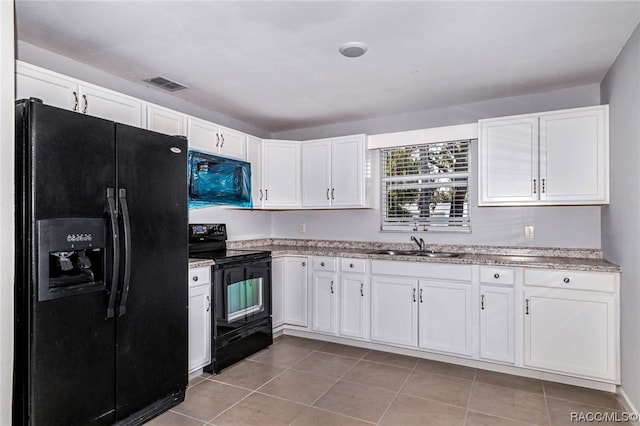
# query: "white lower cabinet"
445,316
295,291
497,323
199,345
571,323
394,310
324,302
354,297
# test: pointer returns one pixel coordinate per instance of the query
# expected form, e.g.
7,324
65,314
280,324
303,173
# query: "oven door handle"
113,215
122,195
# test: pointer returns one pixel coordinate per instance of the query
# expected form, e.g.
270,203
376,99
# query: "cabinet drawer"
576,280
199,276
422,270
505,276
324,264
353,265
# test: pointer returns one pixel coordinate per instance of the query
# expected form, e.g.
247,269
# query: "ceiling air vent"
166,84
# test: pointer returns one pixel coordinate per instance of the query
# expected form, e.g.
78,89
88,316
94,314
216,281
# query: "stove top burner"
210,242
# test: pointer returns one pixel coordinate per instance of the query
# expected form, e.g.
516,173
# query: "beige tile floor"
304,382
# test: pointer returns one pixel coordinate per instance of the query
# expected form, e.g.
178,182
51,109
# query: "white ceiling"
276,64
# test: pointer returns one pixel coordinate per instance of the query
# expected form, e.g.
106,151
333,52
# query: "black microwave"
215,180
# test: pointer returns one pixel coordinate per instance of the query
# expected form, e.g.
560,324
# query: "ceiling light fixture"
353,49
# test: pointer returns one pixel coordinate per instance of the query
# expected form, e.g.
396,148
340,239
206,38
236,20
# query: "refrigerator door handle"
122,195
113,215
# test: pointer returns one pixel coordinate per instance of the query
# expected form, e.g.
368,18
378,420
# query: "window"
425,187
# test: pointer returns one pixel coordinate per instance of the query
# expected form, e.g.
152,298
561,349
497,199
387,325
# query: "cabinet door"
277,291
254,156
316,173
281,172
570,331
574,156
445,317
232,143
295,291
347,171
324,301
508,161
497,321
354,310
394,310
111,105
199,326
165,121
52,88
203,135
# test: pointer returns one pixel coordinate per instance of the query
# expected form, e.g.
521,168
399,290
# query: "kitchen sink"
425,253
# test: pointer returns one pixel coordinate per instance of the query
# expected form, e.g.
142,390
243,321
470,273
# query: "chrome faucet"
419,242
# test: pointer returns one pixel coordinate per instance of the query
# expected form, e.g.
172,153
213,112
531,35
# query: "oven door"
242,295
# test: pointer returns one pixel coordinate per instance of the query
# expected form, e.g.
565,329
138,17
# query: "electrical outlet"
529,232
302,228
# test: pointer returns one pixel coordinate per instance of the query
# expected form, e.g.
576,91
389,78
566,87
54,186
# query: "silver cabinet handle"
221,140
543,185
526,306
414,294
195,278
86,104
362,289
331,287
482,301
261,195
266,194
535,186
304,263
75,100
321,263
208,303
351,265
332,191
421,295
217,140
327,193
567,280
496,275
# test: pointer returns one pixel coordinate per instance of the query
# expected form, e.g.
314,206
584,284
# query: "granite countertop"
198,263
545,258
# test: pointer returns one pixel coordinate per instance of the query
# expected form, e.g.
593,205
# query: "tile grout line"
398,392
466,412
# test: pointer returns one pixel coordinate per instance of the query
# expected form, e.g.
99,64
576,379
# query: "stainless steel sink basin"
425,253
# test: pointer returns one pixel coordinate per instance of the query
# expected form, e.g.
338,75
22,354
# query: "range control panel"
210,232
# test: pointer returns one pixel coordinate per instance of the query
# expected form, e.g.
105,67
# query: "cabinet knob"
304,263
351,265
566,280
321,263
496,275
195,278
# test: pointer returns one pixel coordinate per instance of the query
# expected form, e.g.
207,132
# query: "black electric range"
209,241
241,295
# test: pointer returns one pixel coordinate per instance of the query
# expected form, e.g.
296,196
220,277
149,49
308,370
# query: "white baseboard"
628,405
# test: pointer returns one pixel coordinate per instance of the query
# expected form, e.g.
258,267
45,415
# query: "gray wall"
620,220
554,226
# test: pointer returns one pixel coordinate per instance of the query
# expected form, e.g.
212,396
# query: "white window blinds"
425,187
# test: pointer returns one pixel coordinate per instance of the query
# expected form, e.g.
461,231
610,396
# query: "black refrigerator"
101,270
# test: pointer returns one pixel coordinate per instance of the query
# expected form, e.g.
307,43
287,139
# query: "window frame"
431,223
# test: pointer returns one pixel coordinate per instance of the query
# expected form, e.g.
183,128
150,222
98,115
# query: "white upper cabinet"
551,158
209,137
333,172
65,92
281,173
166,121
254,156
